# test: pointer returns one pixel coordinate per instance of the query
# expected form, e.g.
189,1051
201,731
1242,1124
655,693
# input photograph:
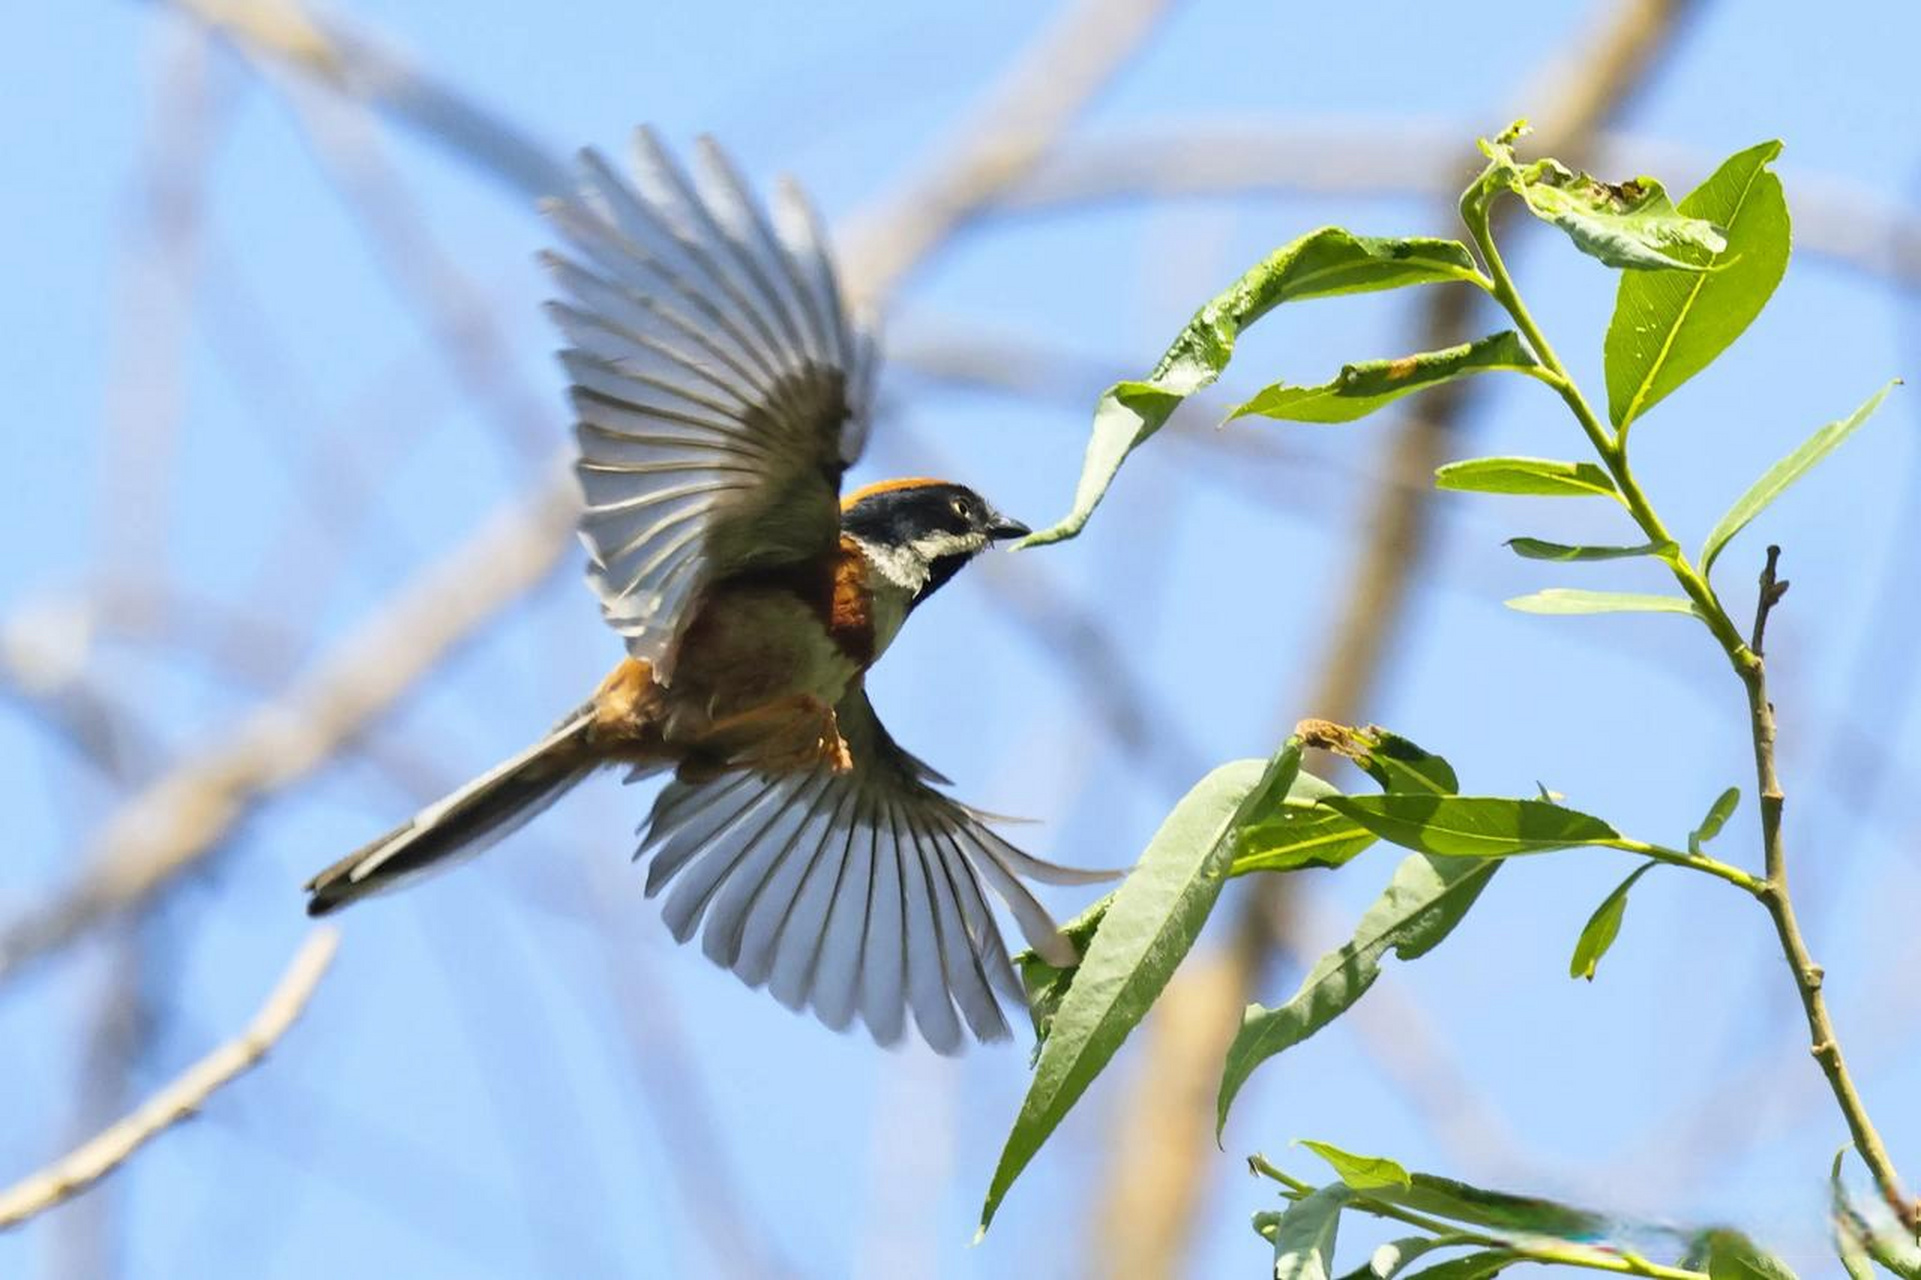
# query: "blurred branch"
179,1100
1009,131
170,826
1163,1156
281,31
1849,225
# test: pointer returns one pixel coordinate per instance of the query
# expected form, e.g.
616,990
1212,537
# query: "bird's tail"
464,823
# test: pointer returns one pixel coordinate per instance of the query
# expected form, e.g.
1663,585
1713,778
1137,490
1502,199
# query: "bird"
722,386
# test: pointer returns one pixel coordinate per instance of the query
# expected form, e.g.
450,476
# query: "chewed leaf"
1321,264
1629,224
1775,481
1669,326
1531,477
1360,389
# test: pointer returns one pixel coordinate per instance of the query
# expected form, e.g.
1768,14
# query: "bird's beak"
1000,528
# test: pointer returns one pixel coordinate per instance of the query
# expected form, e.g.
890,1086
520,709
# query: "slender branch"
1745,657
1822,1041
1693,862
1006,136
76,1172
169,827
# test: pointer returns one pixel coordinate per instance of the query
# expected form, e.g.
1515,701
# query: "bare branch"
1014,124
179,1100
167,828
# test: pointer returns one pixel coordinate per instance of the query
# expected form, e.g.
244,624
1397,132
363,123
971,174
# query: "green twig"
1744,654
1533,1249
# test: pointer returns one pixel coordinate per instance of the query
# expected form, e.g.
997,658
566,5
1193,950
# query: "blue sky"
501,1074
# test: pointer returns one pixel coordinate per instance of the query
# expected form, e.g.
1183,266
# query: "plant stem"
1532,1249
1711,866
1745,656
1823,1043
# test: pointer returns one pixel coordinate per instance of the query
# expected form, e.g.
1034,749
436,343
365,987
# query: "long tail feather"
464,823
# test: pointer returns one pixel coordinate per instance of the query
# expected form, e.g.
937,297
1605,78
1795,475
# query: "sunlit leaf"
1149,925
1320,264
1533,477
1668,326
1535,549
1472,826
1717,815
1500,1210
1570,600
1396,763
1363,1173
1473,1266
1603,926
1423,902
1360,389
1629,224
1778,477
1394,1257
1732,1256
1304,1236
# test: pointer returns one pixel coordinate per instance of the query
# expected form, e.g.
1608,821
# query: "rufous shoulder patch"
850,617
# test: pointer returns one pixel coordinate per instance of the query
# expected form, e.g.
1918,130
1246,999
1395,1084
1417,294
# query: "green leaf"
1151,921
1631,225
1855,1237
1388,758
1302,835
1046,984
1535,549
1732,1256
1534,477
1473,1266
1784,473
1363,1173
1603,926
1566,600
1500,1210
1473,826
1423,902
1360,389
1304,1236
1321,264
1718,813
1394,1257
1668,326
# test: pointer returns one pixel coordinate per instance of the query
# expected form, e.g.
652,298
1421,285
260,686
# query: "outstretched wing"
853,894
720,386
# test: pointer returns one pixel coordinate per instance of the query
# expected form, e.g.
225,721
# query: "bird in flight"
721,389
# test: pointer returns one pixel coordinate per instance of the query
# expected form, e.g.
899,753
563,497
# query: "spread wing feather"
858,894
720,386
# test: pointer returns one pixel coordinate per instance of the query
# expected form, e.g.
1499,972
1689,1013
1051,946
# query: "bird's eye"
962,509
